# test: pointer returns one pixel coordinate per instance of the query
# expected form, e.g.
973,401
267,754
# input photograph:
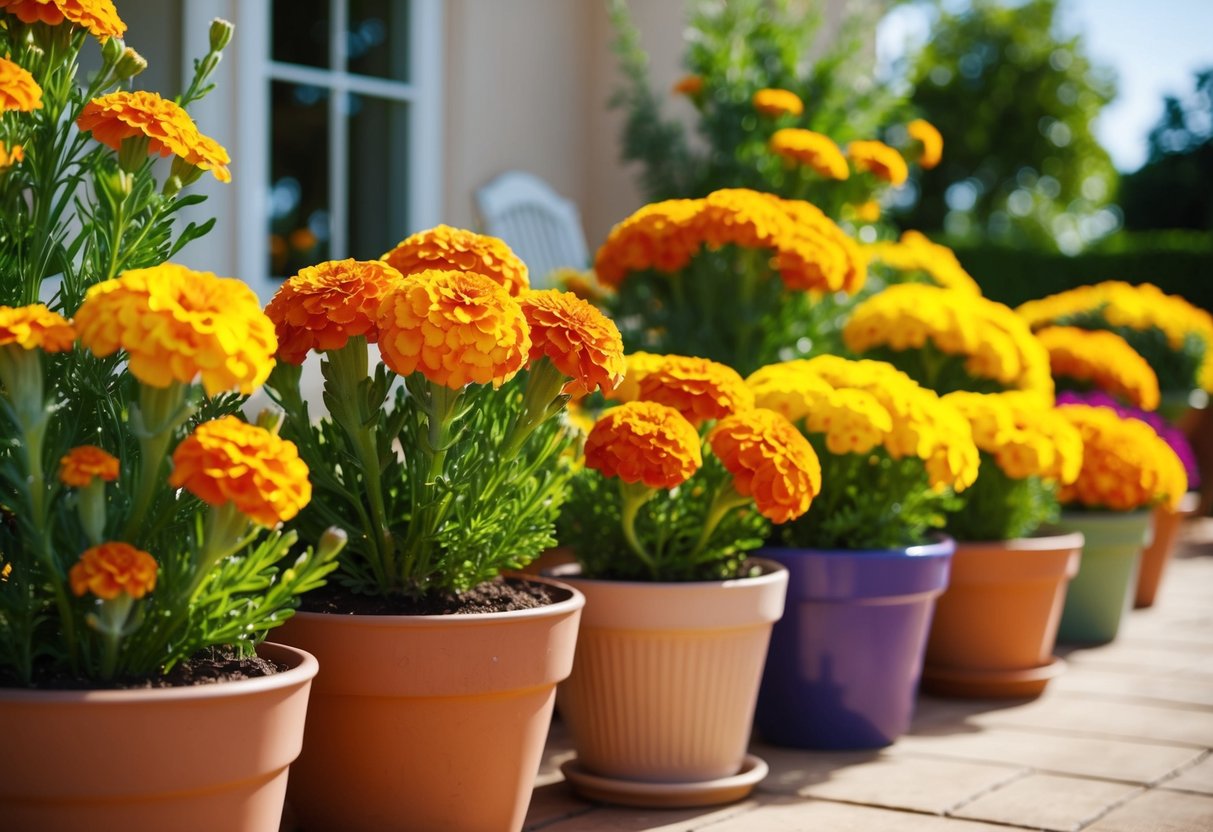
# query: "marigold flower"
583,343
929,140
1025,436
880,160
325,305
205,153
1102,359
770,461
689,85
227,460
454,327
122,115
79,466
699,389
111,569
1125,464
8,157
99,17
444,248
644,442
812,150
18,89
638,365
659,236
35,327
916,253
774,102
177,324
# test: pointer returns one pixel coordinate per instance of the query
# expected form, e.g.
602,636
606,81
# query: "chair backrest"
541,226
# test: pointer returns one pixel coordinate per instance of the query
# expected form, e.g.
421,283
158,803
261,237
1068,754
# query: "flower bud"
111,50
221,33
331,542
129,65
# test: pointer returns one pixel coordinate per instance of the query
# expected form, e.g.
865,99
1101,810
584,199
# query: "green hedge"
1179,263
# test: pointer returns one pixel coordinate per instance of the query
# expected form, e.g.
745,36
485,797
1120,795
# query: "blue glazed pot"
846,657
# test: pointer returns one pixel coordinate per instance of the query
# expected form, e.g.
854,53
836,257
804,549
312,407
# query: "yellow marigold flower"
8,157
915,252
1102,359
205,153
790,388
773,102
1026,436
35,327
812,150
995,342
444,248
880,160
227,460
177,324
114,568
644,442
99,17
929,140
455,328
323,306
699,389
659,236
80,465
18,89
689,85
818,255
867,211
583,343
637,366
770,461
1125,464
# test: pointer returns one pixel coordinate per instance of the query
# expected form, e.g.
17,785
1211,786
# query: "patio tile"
1048,801
1159,811
824,816
619,819
1168,690
919,784
1134,658
1197,778
1133,762
1107,718
552,802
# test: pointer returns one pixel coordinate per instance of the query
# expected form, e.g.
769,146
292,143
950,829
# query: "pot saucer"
990,684
666,795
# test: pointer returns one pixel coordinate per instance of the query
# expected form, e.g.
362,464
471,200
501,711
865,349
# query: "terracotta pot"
996,623
666,675
1154,558
430,721
1102,591
201,758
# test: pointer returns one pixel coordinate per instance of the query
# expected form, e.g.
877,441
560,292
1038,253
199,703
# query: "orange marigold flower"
80,465
770,461
444,248
230,461
773,102
114,568
659,236
176,324
644,442
699,389
35,327
122,115
205,153
454,327
1102,359
8,157
929,140
99,17
18,89
583,343
689,85
639,364
812,150
880,160
323,306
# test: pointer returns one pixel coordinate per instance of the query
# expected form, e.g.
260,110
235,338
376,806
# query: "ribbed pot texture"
666,675
428,722
190,759
1103,590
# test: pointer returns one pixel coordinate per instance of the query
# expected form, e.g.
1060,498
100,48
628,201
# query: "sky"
1154,46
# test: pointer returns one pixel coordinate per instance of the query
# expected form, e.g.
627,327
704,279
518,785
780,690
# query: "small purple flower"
1170,434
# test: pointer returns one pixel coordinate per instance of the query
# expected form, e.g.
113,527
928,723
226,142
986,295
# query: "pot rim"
941,545
304,668
574,602
770,574
1045,540
1106,514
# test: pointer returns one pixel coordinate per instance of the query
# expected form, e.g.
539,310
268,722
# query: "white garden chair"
541,226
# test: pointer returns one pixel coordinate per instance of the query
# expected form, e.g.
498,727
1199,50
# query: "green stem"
160,412
440,404
634,496
227,532
725,500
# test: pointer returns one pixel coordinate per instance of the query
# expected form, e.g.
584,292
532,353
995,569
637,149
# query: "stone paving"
1119,743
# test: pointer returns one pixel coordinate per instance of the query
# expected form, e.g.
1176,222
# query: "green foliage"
441,489
1014,100
685,533
868,501
996,507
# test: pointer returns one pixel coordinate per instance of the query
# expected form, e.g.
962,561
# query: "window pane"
378,38
378,175
299,177
301,32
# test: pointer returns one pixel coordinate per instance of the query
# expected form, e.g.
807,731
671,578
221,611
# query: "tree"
1015,101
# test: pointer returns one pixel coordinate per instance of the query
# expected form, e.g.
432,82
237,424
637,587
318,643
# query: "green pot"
1104,587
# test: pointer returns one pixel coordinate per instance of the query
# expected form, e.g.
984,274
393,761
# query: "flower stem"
634,496
160,412
725,500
